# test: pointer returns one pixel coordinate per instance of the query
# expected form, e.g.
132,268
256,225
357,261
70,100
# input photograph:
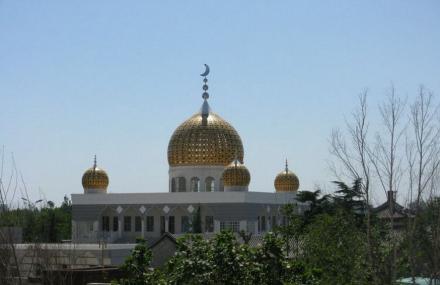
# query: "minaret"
95,180
286,181
94,162
205,95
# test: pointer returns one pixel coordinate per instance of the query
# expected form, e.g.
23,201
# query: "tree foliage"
325,245
46,224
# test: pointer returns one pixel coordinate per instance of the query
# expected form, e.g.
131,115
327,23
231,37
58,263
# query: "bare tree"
352,153
423,156
386,158
360,157
9,186
353,156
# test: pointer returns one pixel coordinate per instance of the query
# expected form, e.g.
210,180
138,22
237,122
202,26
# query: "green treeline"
45,224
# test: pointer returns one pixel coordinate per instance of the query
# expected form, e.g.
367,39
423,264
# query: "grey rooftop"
183,198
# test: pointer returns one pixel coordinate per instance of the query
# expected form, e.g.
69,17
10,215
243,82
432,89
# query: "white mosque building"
208,185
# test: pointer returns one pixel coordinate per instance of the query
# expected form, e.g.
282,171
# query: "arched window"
195,184
209,184
182,184
173,185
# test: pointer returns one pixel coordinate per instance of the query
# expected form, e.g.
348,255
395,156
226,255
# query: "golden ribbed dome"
286,181
236,174
204,139
95,178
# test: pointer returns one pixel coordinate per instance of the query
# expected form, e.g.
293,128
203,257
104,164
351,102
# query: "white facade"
121,218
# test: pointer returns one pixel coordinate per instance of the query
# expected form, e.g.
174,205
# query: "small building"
392,209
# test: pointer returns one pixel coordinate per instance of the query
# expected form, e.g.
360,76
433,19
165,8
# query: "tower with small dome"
95,180
286,181
236,177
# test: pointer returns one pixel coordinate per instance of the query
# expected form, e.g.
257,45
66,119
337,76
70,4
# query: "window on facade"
105,223
209,224
137,224
171,224
259,224
274,221
185,223
162,224
263,223
173,185
115,224
209,184
182,184
91,227
234,226
195,184
127,224
150,223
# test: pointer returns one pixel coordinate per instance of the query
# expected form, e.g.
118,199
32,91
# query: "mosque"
208,190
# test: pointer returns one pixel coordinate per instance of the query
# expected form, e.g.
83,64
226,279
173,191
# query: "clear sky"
116,78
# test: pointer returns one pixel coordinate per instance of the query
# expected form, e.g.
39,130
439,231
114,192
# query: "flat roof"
183,198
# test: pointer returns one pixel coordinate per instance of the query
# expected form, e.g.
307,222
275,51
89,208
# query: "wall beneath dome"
236,189
95,191
201,172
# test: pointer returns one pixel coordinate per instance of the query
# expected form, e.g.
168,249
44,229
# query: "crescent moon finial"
205,94
204,74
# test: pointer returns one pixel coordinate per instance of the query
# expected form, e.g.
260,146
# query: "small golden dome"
236,174
286,181
95,179
204,139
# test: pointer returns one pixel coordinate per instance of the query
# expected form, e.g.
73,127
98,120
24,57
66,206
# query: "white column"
243,225
119,226
256,227
216,226
268,228
166,224
202,184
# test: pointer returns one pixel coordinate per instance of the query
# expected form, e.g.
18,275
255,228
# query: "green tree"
192,262
137,267
336,247
291,230
317,204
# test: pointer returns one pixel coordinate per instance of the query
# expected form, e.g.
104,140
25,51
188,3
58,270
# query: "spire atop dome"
205,95
286,181
236,161
94,179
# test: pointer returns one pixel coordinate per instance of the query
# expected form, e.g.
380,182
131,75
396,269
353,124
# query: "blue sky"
116,78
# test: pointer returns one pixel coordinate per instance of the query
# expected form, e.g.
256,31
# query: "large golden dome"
95,179
236,174
204,139
286,181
